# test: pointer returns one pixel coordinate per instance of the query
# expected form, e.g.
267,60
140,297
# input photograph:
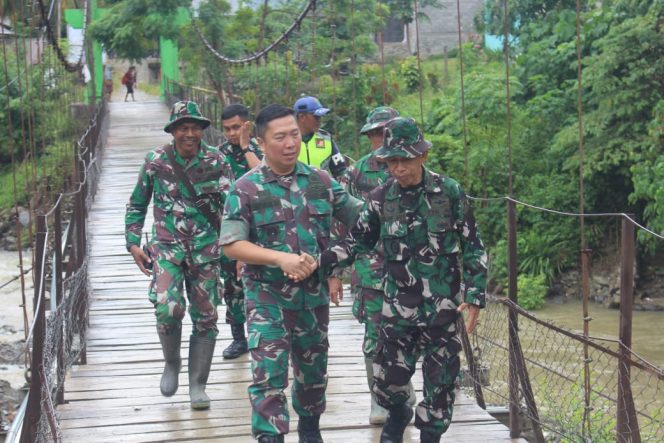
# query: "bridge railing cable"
568,385
57,333
550,377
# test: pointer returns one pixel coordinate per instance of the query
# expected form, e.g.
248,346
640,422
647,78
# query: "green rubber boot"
201,350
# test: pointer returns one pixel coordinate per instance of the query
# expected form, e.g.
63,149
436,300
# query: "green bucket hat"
185,110
378,117
402,138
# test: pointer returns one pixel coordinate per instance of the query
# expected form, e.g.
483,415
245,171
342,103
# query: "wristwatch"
245,150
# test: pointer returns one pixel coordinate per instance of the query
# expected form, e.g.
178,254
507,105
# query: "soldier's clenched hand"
473,314
336,290
141,259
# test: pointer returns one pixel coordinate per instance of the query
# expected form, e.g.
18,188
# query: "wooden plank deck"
115,397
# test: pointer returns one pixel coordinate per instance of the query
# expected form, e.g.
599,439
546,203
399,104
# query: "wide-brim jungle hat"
402,138
185,111
378,118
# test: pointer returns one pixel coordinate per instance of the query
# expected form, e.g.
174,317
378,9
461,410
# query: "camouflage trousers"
201,281
233,292
367,309
274,335
428,330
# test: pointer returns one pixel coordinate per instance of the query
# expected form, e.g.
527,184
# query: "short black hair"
269,113
235,110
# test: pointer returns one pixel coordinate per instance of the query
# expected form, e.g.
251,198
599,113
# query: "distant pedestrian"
129,80
108,82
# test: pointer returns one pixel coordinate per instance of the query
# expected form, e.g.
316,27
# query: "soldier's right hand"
297,267
141,258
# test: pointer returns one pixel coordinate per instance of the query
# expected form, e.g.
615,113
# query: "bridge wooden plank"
116,395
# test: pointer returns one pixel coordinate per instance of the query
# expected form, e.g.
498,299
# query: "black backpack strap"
199,201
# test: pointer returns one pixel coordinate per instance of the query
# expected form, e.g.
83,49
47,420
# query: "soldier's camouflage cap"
188,111
378,117
402,138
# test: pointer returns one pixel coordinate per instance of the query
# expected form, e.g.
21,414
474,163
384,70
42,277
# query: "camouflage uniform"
424,230
233,293
367,277
184,244
290,214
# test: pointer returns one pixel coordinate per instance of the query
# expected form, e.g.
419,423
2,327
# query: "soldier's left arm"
472,250
337,162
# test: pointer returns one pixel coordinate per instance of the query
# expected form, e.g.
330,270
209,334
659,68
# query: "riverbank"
12,334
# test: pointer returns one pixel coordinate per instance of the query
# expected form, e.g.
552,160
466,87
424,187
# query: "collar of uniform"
202,150
431,185
270,176
432,182
374,165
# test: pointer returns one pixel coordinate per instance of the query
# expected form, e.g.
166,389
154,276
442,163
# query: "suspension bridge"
93,355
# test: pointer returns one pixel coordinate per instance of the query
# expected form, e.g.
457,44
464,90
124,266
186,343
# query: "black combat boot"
428,436
201,350
170,346
265,438
308,429
396,423
239,344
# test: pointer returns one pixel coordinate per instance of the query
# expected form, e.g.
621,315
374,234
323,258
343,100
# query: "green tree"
131,28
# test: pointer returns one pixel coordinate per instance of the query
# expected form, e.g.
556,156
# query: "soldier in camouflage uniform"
276,219
425,225
184,246
367,277
242,154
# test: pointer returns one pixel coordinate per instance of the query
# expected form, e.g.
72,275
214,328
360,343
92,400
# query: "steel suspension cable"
53,39
585,286
333,25
508,99
383,82
419,60
12,143
463,100
353,63
261,53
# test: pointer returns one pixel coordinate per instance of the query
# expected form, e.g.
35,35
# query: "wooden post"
33,408
513,382
627,427
59,287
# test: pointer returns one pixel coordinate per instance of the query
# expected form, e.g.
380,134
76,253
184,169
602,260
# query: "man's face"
407,171
375,137
187,135
308,123
281,144
232,128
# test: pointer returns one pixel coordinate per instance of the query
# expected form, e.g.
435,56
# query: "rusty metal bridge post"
627,426
513,382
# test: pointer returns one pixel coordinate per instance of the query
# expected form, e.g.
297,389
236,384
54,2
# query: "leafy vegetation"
334,57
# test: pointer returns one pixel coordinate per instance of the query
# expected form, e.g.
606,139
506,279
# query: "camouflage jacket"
359,180
179,226
235,158
288,214
425,231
